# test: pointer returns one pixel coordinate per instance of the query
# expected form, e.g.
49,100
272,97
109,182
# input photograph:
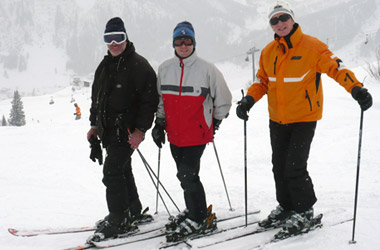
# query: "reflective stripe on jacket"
192,92
290,73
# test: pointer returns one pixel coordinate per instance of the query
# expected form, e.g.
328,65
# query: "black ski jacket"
124,94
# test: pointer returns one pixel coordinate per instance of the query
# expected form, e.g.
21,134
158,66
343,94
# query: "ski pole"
245,169
147,166
245,172
357,177
158,177
221,173
158,193
155,176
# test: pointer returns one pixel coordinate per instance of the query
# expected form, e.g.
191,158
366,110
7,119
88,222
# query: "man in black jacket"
124,100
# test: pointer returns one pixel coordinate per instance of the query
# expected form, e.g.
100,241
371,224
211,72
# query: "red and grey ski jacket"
192,92
290,74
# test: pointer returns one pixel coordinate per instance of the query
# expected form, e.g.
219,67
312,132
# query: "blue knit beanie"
115,24
184,29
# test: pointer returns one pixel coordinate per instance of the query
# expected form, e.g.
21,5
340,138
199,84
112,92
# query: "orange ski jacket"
78,113
290,74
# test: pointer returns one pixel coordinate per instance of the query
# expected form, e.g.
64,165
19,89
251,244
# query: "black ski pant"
290,151
121,190
188,161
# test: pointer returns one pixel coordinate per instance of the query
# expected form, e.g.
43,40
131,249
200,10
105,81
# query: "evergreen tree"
4,121
17,116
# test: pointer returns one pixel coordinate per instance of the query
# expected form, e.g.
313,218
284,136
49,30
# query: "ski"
48,231
257,231
94,244
316,224
132,238
198,236
86,246
36,232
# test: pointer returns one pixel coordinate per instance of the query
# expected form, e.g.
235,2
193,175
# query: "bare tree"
373,69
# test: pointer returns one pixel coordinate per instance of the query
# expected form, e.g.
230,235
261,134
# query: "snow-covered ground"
48,181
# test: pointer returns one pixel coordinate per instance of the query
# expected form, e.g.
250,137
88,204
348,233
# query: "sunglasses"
282,18
117,37
180,41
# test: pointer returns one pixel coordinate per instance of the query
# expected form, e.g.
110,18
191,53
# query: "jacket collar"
188,60
128,50
293,38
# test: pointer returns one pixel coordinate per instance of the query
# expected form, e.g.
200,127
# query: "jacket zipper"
275,62
308,98
180,86
182,69
118,64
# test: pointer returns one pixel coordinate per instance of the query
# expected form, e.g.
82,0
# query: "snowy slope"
47,179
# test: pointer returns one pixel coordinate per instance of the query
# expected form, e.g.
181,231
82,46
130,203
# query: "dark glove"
158,132
244,105
215,124
96,150
363,97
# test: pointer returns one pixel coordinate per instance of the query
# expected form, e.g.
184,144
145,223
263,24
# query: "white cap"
280,7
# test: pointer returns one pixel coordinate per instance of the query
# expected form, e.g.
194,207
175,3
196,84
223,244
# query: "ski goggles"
116,37
282,18
184,40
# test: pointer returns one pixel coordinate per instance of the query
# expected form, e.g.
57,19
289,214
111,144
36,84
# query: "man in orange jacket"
77,113
290,74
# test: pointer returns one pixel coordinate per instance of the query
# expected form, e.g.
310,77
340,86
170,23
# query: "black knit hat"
115,25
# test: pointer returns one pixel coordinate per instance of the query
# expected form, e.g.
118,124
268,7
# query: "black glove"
158,132
363,97
244,105
215,124
96,150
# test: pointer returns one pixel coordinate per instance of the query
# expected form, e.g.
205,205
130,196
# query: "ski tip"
87,246
12,231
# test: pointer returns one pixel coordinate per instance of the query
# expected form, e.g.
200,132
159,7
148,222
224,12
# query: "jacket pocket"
308,98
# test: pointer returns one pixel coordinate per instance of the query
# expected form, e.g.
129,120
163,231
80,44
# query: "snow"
48,181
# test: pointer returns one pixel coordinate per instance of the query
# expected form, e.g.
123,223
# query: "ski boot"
299,223
189,227
113,226
142,218
276,218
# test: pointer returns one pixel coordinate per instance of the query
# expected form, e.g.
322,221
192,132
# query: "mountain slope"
48,180
50,41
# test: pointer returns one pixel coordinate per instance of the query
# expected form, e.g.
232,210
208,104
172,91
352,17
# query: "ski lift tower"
252,51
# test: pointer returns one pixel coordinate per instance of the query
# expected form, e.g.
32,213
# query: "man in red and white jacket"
194,99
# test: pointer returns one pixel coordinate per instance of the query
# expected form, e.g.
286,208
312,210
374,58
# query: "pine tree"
4,122
17,116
